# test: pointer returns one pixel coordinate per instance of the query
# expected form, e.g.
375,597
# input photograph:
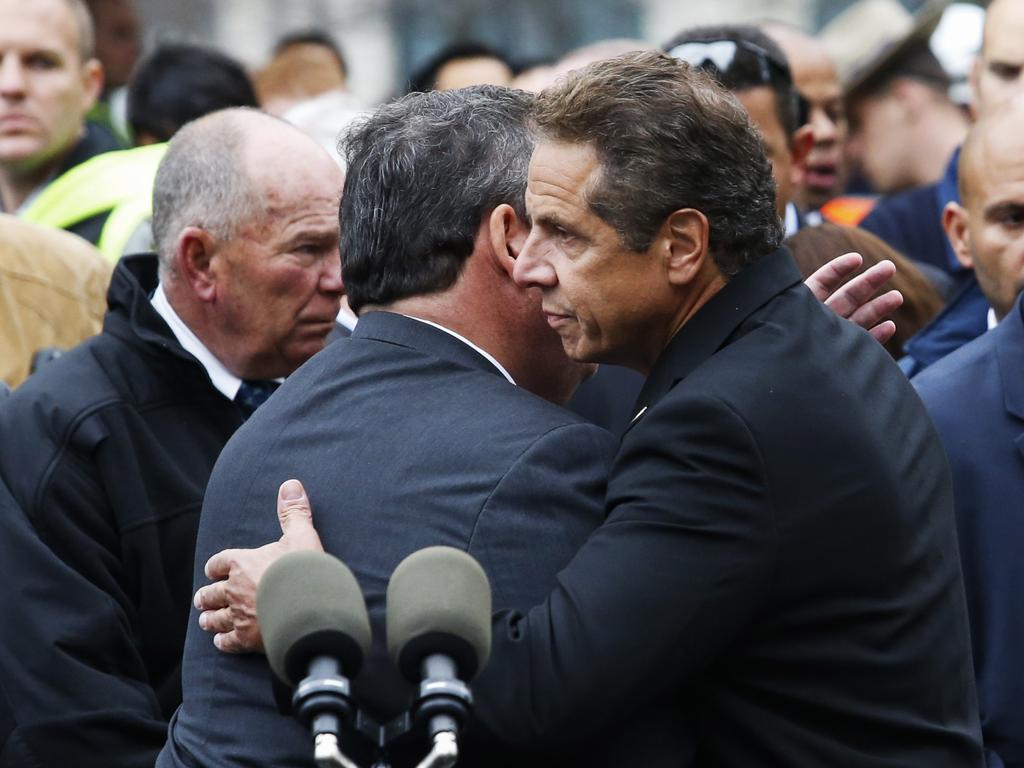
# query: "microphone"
316,632
439,636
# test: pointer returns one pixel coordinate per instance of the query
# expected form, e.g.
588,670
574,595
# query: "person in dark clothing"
179,83
45,134
108,449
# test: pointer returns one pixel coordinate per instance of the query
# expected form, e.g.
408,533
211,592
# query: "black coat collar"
398,329
709,329
131,315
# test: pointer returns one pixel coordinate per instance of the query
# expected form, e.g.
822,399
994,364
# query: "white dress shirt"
469,343
223,380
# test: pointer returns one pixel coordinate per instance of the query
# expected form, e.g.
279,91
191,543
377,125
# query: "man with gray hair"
433,406
107,451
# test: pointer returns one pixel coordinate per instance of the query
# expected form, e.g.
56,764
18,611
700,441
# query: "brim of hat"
926,20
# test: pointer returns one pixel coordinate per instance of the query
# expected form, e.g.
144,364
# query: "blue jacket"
976,399
962,320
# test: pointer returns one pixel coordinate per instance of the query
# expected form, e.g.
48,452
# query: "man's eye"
1004,71
41,61
1013,219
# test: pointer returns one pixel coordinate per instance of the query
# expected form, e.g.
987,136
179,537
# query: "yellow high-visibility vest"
120,182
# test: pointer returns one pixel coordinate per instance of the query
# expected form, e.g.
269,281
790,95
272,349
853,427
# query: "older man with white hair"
107,451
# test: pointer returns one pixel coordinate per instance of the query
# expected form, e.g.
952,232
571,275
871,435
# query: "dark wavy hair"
667,137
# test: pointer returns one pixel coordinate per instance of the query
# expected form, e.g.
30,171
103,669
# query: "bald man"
975,396
920,220
985,228
814,74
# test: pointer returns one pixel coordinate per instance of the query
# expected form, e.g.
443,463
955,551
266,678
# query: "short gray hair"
422,171
202,182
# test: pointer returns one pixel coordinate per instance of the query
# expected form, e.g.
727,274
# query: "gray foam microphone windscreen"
309,604
439,601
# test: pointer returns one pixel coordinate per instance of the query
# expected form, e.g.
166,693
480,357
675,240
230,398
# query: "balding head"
993,147
245,214
218,171
985,229
203,181
998,72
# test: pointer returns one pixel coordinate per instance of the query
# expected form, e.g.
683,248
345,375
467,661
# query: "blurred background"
384,41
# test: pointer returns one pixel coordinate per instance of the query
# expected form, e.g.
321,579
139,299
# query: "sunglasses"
738,64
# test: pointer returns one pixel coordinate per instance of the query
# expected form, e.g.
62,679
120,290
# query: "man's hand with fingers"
229,604
852,300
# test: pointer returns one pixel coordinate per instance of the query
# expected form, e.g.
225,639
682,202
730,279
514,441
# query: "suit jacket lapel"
1010,355
392,328
709,329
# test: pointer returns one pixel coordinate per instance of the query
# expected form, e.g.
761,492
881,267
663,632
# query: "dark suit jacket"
779,551
404,437
976,397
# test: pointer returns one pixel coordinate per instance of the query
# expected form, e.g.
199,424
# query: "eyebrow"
999,210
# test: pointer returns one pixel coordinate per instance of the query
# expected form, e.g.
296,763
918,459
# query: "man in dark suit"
419,435
773,554
976,398
429,431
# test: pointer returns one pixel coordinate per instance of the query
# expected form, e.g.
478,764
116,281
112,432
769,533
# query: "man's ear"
92,83
507,234
800,148
685,233
974,78
954,221
196,265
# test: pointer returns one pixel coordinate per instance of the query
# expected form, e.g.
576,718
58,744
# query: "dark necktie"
252,394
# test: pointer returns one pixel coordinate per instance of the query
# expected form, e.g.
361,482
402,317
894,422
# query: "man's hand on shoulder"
229,604
852,299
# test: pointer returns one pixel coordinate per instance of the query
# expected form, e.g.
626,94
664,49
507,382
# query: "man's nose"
330,276
12,76
824,127
531,268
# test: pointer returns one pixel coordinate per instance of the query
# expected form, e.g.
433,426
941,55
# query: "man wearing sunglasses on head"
751,65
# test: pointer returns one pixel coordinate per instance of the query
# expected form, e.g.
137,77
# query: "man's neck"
16,188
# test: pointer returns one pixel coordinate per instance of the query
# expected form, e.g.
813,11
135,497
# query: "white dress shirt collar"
222,379
469,343
993,321
792,220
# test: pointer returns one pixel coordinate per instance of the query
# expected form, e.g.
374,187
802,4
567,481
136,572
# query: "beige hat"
873,36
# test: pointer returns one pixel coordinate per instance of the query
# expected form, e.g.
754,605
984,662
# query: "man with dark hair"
768,558
752,66
814,75
107,450
462,64
432,403
742,566
314,38
178,83
429,401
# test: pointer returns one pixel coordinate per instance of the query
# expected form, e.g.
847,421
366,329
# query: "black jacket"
107,451
779,552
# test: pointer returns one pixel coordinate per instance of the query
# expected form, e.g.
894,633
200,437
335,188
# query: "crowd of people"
712,357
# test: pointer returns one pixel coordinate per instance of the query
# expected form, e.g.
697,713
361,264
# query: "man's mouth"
556,319
822,176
